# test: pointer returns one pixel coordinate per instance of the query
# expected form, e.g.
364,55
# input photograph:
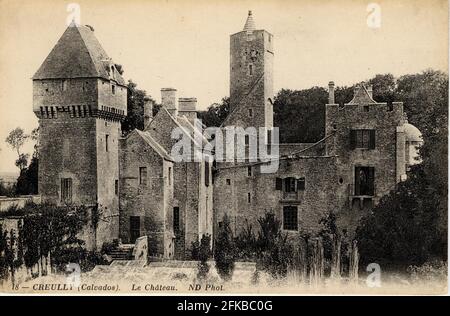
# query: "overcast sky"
185,45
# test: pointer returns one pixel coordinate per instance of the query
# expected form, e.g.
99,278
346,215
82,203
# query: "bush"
224,250
245,244
204,253
403,229
434,271
275,253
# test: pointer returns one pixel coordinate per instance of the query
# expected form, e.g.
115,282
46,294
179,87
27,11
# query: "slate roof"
78,54
154,144
361,96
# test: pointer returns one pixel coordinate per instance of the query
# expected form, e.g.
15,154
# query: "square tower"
80,99
251,77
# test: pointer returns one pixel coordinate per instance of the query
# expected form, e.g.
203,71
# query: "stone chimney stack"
168,100
148,111
370,90
188,108
331,92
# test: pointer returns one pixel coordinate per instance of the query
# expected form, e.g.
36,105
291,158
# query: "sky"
185,45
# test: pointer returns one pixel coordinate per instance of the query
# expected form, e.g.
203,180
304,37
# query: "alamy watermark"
228,144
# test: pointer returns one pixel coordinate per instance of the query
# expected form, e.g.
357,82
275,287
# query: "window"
364,181
113,89
228,181
301,184
250,112
176,219
143,175
290,219
116,187
278,184
249,198
247,140
249,171
64,85
170,175
362,138
135,228
207,173
66,190
290,184
106,142
269,137
250,69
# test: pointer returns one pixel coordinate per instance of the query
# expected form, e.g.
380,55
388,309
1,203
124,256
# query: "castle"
140,189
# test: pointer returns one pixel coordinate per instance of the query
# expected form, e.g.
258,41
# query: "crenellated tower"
80,99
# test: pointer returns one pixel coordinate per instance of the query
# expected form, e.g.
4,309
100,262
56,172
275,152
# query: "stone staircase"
122,252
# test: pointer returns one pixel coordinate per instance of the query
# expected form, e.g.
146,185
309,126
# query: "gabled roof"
78,54
361,96
153,144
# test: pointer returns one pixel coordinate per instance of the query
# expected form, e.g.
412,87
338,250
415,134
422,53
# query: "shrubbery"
224,250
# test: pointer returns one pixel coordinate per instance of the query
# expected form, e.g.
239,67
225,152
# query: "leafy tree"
329,229
275,253
47,229
403,228
246,243
216,113
135,108
224,250
384,88
300,114
27,183
16,139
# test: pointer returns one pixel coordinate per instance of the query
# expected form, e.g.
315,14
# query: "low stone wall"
20,201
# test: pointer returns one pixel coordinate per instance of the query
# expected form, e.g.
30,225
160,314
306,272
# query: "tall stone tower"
251,77
80,98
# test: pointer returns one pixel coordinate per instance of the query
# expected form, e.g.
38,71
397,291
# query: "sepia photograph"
189,148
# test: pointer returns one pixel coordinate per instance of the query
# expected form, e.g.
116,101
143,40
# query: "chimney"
168,100
188,108
356,90
331,92
370,90
148,111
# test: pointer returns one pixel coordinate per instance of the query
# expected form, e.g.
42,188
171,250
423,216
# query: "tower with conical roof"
79,97
251,77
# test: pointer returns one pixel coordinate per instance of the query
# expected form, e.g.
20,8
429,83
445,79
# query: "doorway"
135,228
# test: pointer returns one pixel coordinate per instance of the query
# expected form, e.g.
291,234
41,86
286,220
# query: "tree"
275,253
204,253
135,108
16,139
216,113
295,110
403,228
224,250
27,183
